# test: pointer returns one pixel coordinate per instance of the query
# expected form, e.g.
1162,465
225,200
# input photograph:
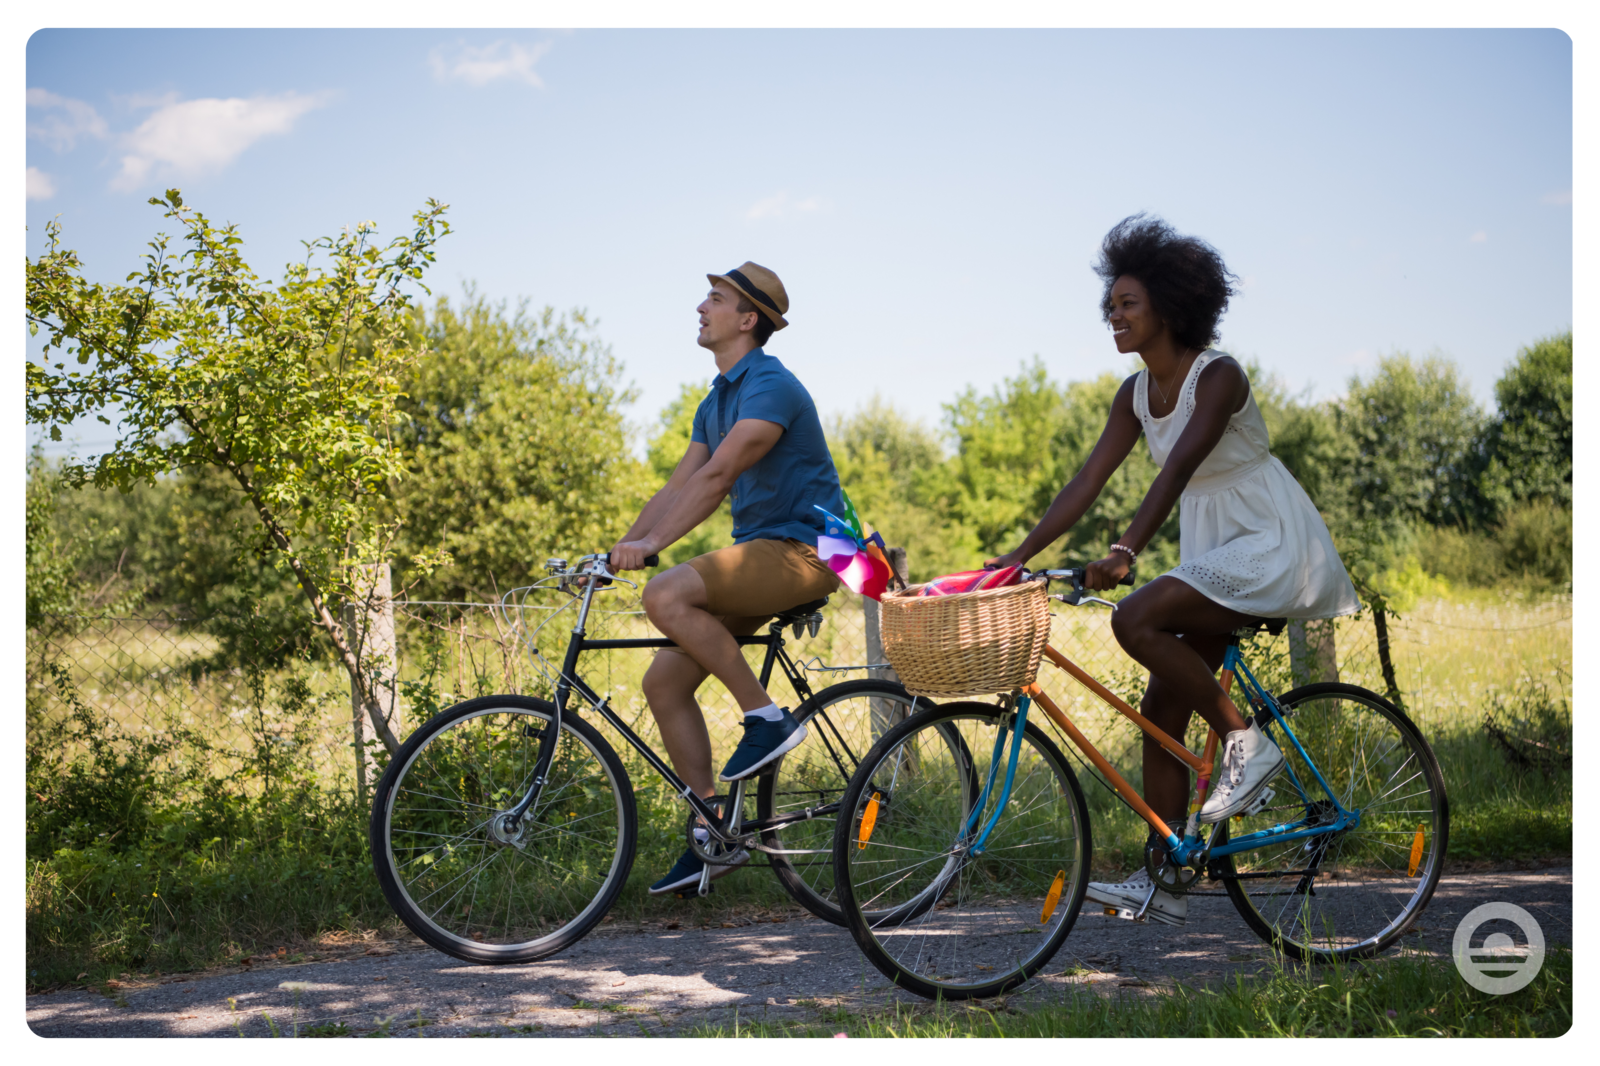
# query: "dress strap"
1141,395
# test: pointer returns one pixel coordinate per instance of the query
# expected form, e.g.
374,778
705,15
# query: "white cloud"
60,120
1479,237
191,137
780,205
40,187
480,66
1559,199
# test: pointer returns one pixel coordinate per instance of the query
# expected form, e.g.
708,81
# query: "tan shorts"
746,584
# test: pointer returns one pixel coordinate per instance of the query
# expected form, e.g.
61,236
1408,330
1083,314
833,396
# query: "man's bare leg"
676,603
669,688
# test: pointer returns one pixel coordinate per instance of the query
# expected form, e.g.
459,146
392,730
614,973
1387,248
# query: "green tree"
1412,426
1528,443
515,444
894,470
668,441
1017,446
289,388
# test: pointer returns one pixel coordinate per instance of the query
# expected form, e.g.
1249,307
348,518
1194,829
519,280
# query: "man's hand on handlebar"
633,555
1106,573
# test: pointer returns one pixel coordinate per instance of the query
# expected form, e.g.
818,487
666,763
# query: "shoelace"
1235,761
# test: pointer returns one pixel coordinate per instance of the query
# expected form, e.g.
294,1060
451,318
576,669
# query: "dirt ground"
660,981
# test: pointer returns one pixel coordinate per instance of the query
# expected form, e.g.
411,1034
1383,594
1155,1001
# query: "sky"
932,199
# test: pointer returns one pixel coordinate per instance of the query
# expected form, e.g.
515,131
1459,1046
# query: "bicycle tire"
843,721
959,925
484,898
1349,894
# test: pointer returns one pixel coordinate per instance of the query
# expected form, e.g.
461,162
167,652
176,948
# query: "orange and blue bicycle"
962,848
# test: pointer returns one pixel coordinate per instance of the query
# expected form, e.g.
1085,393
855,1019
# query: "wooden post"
1312,655
885,715
369,621
1380,622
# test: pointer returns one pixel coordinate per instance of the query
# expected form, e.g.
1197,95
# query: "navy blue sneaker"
763,741
686,873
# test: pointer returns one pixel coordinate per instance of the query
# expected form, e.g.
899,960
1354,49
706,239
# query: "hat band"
760,297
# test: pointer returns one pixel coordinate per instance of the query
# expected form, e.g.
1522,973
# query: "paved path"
664,981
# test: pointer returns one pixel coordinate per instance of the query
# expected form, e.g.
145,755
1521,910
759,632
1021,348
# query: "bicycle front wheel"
933,911
1351,893
448,864
842,722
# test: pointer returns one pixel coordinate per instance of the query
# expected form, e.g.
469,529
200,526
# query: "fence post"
885,715
369,620
1312,655
1380,622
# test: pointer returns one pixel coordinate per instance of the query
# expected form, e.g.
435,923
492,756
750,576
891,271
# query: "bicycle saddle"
1271,626
799,614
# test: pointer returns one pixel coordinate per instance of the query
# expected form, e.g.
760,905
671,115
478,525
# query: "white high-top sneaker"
1124,900
1249,761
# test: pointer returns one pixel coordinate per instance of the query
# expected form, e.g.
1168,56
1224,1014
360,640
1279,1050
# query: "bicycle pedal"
693,892
1259,804
1127,913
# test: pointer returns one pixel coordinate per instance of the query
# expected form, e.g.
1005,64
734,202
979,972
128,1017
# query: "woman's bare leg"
1179,636
1166,780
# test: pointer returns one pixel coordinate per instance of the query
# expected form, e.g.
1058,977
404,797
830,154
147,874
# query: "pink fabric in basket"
971,581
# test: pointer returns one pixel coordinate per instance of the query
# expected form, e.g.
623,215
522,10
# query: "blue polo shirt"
778,495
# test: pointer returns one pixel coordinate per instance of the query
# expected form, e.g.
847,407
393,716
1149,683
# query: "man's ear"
748,322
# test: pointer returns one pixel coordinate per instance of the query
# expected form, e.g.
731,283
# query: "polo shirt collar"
741,366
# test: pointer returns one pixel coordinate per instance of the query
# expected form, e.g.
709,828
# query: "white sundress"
1249,536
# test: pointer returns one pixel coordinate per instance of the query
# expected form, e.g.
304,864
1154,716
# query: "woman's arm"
1116,441
1221,391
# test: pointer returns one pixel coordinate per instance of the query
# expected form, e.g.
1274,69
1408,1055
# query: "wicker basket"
968,644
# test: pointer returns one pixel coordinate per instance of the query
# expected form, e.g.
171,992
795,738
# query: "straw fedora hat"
762,288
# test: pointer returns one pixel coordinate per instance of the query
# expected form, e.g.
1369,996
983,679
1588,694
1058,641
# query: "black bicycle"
505,828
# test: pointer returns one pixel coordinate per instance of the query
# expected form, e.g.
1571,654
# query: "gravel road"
658,981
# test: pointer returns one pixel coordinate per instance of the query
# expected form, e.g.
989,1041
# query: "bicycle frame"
720,824
1188,849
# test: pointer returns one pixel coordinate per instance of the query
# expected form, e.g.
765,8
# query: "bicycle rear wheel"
1352,893
842,722
931,914
448,866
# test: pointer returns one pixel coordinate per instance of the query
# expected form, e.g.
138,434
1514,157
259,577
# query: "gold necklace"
1159,389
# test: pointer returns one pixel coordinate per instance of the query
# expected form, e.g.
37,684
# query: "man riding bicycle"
757,438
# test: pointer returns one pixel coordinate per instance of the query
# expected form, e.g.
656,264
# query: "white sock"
771,713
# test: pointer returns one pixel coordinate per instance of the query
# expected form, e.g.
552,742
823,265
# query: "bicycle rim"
842,723
1351,893
929,913
489,896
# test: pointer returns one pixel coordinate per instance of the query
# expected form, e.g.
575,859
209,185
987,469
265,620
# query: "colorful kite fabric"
970,581
861,563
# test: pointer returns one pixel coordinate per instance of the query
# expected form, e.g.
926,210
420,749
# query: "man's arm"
693,459
702,490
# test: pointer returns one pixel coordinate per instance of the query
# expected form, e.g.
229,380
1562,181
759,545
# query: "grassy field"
191,817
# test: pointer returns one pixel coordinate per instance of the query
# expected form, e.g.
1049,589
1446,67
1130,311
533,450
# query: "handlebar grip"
1127,579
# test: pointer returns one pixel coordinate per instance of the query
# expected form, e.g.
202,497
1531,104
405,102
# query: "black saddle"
800,613
1270,626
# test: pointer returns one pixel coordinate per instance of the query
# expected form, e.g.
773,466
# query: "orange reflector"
1052,898
1416,854
869,818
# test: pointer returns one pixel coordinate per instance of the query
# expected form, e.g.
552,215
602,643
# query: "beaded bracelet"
1132,555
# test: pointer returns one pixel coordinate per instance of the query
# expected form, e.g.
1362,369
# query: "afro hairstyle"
1188,283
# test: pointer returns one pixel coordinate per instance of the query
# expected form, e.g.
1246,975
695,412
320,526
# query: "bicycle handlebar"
649,560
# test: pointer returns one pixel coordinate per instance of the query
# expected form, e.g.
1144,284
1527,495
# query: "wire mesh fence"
236,693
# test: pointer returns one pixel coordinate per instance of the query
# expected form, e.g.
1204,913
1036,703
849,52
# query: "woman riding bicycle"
1253,545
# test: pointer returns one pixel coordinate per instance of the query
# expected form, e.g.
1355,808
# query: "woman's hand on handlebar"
631,555
1105,573
1000,562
